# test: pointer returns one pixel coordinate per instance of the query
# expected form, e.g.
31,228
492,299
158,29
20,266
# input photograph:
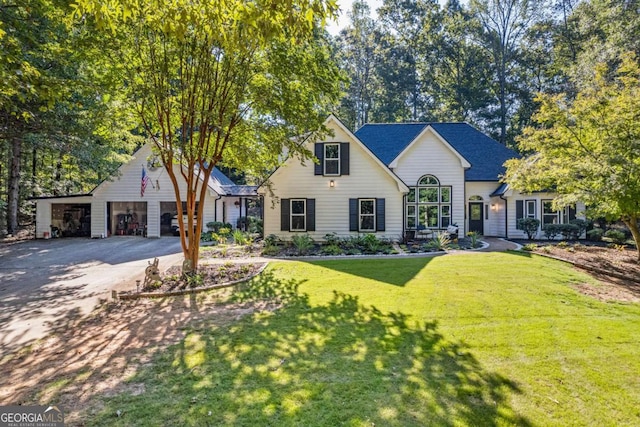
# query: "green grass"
479,339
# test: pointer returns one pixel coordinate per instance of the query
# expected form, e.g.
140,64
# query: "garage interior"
127,218
70,219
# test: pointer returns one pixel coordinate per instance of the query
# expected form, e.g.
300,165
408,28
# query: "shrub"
241,238
474,236
370,244
616,235
332,249
270,250
529,247
581,224
302,242
569,231
595,234
215,226
206,236
562,245
272,240
332,239
529,226
251,223
441,241
551,231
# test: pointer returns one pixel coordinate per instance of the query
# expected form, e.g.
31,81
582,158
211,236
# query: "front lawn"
470,339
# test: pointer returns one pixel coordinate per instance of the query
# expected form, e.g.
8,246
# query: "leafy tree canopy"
229,81
588,149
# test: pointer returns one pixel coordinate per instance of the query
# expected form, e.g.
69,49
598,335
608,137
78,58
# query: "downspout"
215,207
506,217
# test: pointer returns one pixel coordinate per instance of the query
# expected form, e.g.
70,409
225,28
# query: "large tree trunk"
13,191
632,223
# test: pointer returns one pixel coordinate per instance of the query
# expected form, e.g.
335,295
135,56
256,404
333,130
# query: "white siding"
494,224
43,212
514,233
125,187
429,156
366,179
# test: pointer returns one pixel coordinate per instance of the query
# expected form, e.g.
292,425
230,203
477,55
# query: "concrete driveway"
47,284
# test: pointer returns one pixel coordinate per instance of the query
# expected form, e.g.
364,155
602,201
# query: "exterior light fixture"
332,183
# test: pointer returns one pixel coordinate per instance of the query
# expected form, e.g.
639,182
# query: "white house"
118,207
397,179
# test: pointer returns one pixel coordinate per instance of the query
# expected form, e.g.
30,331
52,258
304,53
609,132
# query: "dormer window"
332,159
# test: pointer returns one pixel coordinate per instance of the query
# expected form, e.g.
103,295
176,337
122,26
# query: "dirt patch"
95,356
617,268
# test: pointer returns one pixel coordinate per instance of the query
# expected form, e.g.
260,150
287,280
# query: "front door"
476,223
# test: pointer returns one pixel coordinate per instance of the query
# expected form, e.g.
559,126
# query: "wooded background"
63,128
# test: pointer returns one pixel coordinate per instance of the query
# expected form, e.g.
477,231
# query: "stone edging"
135,296
590,268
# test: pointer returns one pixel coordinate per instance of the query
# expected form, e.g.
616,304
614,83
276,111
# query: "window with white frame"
530,209
298,214
332,159
549,216
428,205
367,214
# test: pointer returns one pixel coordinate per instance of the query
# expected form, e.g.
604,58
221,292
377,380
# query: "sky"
345,6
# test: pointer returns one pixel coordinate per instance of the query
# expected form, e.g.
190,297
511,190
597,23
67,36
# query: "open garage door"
128,218
70,219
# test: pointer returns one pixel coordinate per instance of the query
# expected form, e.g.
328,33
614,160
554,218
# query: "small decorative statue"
152,273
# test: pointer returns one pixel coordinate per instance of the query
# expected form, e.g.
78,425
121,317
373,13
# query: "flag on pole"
144,182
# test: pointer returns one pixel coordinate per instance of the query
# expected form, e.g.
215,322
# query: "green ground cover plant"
470,339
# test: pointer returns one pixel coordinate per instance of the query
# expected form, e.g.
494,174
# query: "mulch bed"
617,268
207,275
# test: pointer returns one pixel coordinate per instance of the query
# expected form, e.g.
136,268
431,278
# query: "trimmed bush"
617,236
595,234
529,226
215,226
551,231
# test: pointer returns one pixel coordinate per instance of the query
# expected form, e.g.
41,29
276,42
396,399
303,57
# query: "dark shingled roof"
485,154
222,178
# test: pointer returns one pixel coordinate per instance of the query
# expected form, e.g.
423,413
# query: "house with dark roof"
398,180
139,200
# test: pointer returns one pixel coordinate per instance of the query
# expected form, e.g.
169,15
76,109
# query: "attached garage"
63,216
137,201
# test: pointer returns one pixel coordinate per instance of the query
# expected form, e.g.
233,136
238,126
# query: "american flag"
144,182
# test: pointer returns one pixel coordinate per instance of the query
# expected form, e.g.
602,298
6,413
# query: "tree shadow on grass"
336,364
387,270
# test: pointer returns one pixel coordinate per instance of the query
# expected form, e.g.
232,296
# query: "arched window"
476,199
428,180
428,204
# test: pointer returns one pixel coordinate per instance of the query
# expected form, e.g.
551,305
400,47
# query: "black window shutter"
344,158
572,213
285,207
353,214
380,218
519,212
319,153
311,214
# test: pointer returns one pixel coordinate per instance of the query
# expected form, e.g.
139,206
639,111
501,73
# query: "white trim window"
298,215
428,205
332,159
367,215
549,216
530,209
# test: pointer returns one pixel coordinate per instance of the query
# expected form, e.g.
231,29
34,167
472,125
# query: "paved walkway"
497,244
